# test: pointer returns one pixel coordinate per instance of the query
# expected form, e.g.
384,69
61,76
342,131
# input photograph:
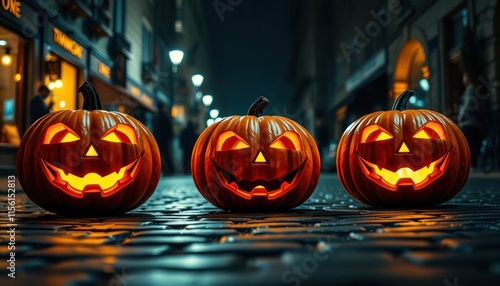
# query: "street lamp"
197,80
207,99
210,121
214,113
176,57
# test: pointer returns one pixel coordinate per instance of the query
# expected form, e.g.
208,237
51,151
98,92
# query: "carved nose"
91,152
403,148
260,158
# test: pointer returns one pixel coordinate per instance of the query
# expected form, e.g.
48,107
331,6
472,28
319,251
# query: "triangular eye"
374,133
431,130
121,133
288,141
230,141
59,133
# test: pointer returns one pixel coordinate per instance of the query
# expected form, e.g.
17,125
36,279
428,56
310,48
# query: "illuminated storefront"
11,67
64,63
16,45
145,109
412,72
60,45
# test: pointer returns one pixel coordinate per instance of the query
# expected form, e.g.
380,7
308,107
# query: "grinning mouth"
91,182
271,189
405,176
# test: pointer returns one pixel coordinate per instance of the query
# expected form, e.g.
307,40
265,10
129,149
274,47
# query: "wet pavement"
177,238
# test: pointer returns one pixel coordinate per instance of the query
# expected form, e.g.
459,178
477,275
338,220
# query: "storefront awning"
113,95
371,71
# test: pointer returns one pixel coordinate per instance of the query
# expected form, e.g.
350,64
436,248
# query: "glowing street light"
424,84
176,57
197,80
210,121
214,113
207,99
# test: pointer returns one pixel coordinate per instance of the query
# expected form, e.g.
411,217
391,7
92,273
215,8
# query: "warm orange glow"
421,135
91,152
69,137
59,133
91,182
241,145
410,67
286,183
111,137
418,178
178,111
403,148
79,183
288,141
121,133
261,191
230,141
260,158
431,130
374,133
398,88
425,72
65,92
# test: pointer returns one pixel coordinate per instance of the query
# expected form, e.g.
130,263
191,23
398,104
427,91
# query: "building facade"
364,56
114,44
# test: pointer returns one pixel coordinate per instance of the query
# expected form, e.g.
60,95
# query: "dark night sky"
251,52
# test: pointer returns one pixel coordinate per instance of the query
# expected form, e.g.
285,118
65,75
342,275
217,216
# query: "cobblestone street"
177,238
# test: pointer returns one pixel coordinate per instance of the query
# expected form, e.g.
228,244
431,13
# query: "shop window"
11,64
62,79
457,24
149,72
119,17
146,43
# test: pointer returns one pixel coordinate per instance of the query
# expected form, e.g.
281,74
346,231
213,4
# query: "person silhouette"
38,108
473,117
188,139
164,134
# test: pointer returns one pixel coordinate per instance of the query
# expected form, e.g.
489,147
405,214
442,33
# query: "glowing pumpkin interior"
247,180
417,175
87,180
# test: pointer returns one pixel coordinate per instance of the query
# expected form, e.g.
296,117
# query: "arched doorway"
412,72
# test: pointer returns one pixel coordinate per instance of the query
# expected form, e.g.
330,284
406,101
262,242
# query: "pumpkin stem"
91,100
257,108
400,103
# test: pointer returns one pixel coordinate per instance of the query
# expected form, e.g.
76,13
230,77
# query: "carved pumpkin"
88,161
403,157
255,162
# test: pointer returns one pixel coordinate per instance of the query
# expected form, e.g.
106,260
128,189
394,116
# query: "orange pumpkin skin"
88,161
255,162
403,157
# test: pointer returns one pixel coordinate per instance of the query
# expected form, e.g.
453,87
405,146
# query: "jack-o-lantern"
88,161
403,157
255,162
